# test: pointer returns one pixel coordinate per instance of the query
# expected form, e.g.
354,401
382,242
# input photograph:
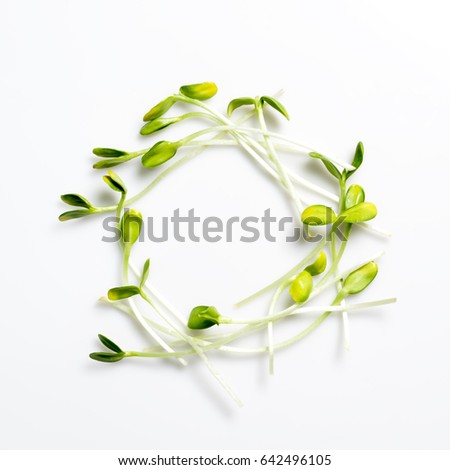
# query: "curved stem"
193,343
272,154
304,262
137,314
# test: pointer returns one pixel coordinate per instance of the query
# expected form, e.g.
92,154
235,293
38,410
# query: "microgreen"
76,200
160,109
318,214
202,317
160,153
114,182
314,275
108,153
301,287
199,91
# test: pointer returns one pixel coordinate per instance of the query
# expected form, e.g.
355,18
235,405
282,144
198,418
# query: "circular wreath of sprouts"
169,330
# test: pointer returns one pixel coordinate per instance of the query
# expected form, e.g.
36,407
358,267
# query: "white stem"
308,149
264,349
124,308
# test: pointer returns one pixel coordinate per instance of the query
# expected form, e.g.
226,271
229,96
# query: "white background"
81,74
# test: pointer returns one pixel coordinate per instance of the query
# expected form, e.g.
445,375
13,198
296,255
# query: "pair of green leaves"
111,179
331,167
114,356
124,292
246,101
319,214
78,201
114,181
113,157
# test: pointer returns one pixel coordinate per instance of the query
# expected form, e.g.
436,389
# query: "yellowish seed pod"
159,153
358,280
199,91
160,109
301,287
131,226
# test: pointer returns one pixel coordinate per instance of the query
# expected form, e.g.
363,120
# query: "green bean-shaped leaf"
355,195
358,280
74,215
131,226
301,287
160,153
145,271
318,214
319,266
275,105
109,344
107,356
102,164
328,165
357,159
114,182
157,125
123,292
199,91
238,102
360,213
160,109
76,200
202,317
108,153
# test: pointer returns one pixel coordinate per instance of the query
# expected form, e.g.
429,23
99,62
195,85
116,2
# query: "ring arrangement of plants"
170,332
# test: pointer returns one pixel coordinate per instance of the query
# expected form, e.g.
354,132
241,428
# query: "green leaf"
145,271
102,164
301,287
360,213
131,226
107,356
199,91
275,105
109,344
159,153
238,102
76,200
74,215
108,153
203,317
328,165
355,195
158,110
318,214
357,159
123,292
157,125
358,280
114,182
319,266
